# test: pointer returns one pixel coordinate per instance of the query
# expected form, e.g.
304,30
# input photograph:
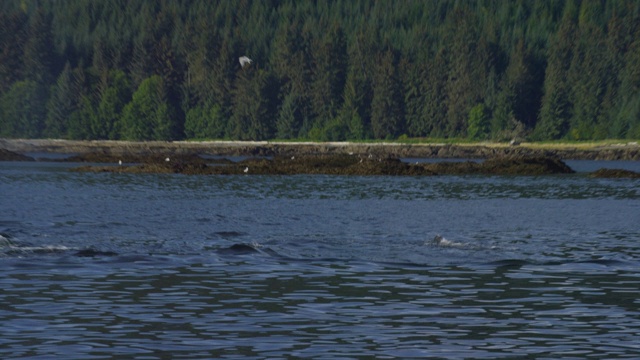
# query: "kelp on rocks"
615,174
6,155
341,164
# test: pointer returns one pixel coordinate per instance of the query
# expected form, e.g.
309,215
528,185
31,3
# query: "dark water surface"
144,266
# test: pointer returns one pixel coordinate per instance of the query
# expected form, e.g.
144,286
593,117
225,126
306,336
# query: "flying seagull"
244,61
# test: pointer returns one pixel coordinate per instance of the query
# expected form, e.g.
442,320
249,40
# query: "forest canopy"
321,70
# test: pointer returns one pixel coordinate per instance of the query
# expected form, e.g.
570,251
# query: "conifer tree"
386,105
38,50
468,60
289,117
111,105
62,103
556,109
13,35
148,116
253,99
23,110
328,75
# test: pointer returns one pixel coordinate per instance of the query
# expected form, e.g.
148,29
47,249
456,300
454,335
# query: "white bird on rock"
246,170
244,60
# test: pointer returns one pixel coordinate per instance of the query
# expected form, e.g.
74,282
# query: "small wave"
12,248
5,240
518,263
16,250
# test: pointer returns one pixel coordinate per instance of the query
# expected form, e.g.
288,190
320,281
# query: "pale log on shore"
629,151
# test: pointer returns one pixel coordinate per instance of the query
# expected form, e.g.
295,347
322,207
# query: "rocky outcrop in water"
509,165
342,165
615,174
525,165
6,155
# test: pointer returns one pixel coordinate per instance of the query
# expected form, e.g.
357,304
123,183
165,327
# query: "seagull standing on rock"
244,60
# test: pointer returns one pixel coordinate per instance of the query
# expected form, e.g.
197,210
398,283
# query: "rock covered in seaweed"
341,164
526,165
615,174
132,158
504,165
6,155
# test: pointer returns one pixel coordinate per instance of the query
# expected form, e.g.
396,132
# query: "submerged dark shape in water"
509,263
229,234
239,249
89,252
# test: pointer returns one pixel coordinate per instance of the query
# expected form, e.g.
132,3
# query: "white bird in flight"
244,61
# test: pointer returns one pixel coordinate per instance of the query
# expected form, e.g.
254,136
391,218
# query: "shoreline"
628,151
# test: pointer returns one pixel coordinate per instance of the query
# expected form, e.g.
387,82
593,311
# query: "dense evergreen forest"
321,70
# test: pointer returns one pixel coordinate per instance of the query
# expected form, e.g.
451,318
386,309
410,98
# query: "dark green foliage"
62,103
468,62
478,123
557,109
112,102
13,35
39,56
328,75
386,106
23,110
289,118
80,121
149,116
205,122
338,70
253,100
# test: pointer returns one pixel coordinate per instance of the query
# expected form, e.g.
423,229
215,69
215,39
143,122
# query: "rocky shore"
321,158
341,165
6,155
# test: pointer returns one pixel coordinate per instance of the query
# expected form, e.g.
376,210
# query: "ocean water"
97,266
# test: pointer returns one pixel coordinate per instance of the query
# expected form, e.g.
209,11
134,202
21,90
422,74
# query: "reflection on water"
144,266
